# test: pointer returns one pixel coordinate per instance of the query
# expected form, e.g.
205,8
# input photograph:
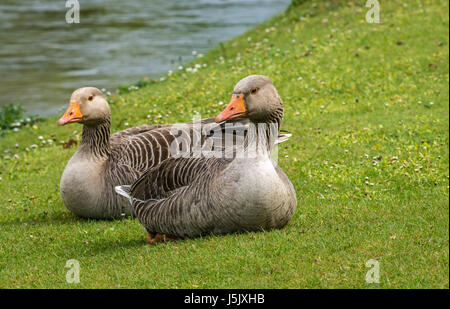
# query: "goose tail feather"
124,190
282,138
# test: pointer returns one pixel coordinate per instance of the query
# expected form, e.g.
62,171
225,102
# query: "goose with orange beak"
201,196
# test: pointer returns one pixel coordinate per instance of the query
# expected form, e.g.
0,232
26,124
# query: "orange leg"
160,238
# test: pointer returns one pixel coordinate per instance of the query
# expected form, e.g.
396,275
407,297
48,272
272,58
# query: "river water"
43,58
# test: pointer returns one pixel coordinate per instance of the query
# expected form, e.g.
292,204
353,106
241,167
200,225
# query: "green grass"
367,105
12,118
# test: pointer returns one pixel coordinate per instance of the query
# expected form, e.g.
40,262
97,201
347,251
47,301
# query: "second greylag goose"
190,197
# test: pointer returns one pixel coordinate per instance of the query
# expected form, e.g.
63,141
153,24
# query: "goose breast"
81,187
259,193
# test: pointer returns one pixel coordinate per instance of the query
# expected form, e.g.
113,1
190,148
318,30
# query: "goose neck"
261,137
95,139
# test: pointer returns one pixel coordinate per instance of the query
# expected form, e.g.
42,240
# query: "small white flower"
40,137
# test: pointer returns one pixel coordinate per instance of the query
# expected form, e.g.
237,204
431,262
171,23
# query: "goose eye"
90,98
253,90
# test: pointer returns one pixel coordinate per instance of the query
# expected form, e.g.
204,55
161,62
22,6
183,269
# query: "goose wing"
174,197
138,149
172,174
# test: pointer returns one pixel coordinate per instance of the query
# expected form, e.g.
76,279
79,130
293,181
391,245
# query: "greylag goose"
104,161
190,197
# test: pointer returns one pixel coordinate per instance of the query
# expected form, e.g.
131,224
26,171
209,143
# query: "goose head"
256,98
88,106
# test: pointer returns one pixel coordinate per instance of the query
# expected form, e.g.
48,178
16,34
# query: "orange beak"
73,114
235,109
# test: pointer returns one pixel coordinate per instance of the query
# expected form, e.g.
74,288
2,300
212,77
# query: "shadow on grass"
139,242
105,246
55,217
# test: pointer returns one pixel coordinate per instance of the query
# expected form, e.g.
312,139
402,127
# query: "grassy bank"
367,105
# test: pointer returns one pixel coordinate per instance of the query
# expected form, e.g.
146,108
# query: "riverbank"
367,105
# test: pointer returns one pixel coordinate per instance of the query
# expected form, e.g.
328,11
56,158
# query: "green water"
43,58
